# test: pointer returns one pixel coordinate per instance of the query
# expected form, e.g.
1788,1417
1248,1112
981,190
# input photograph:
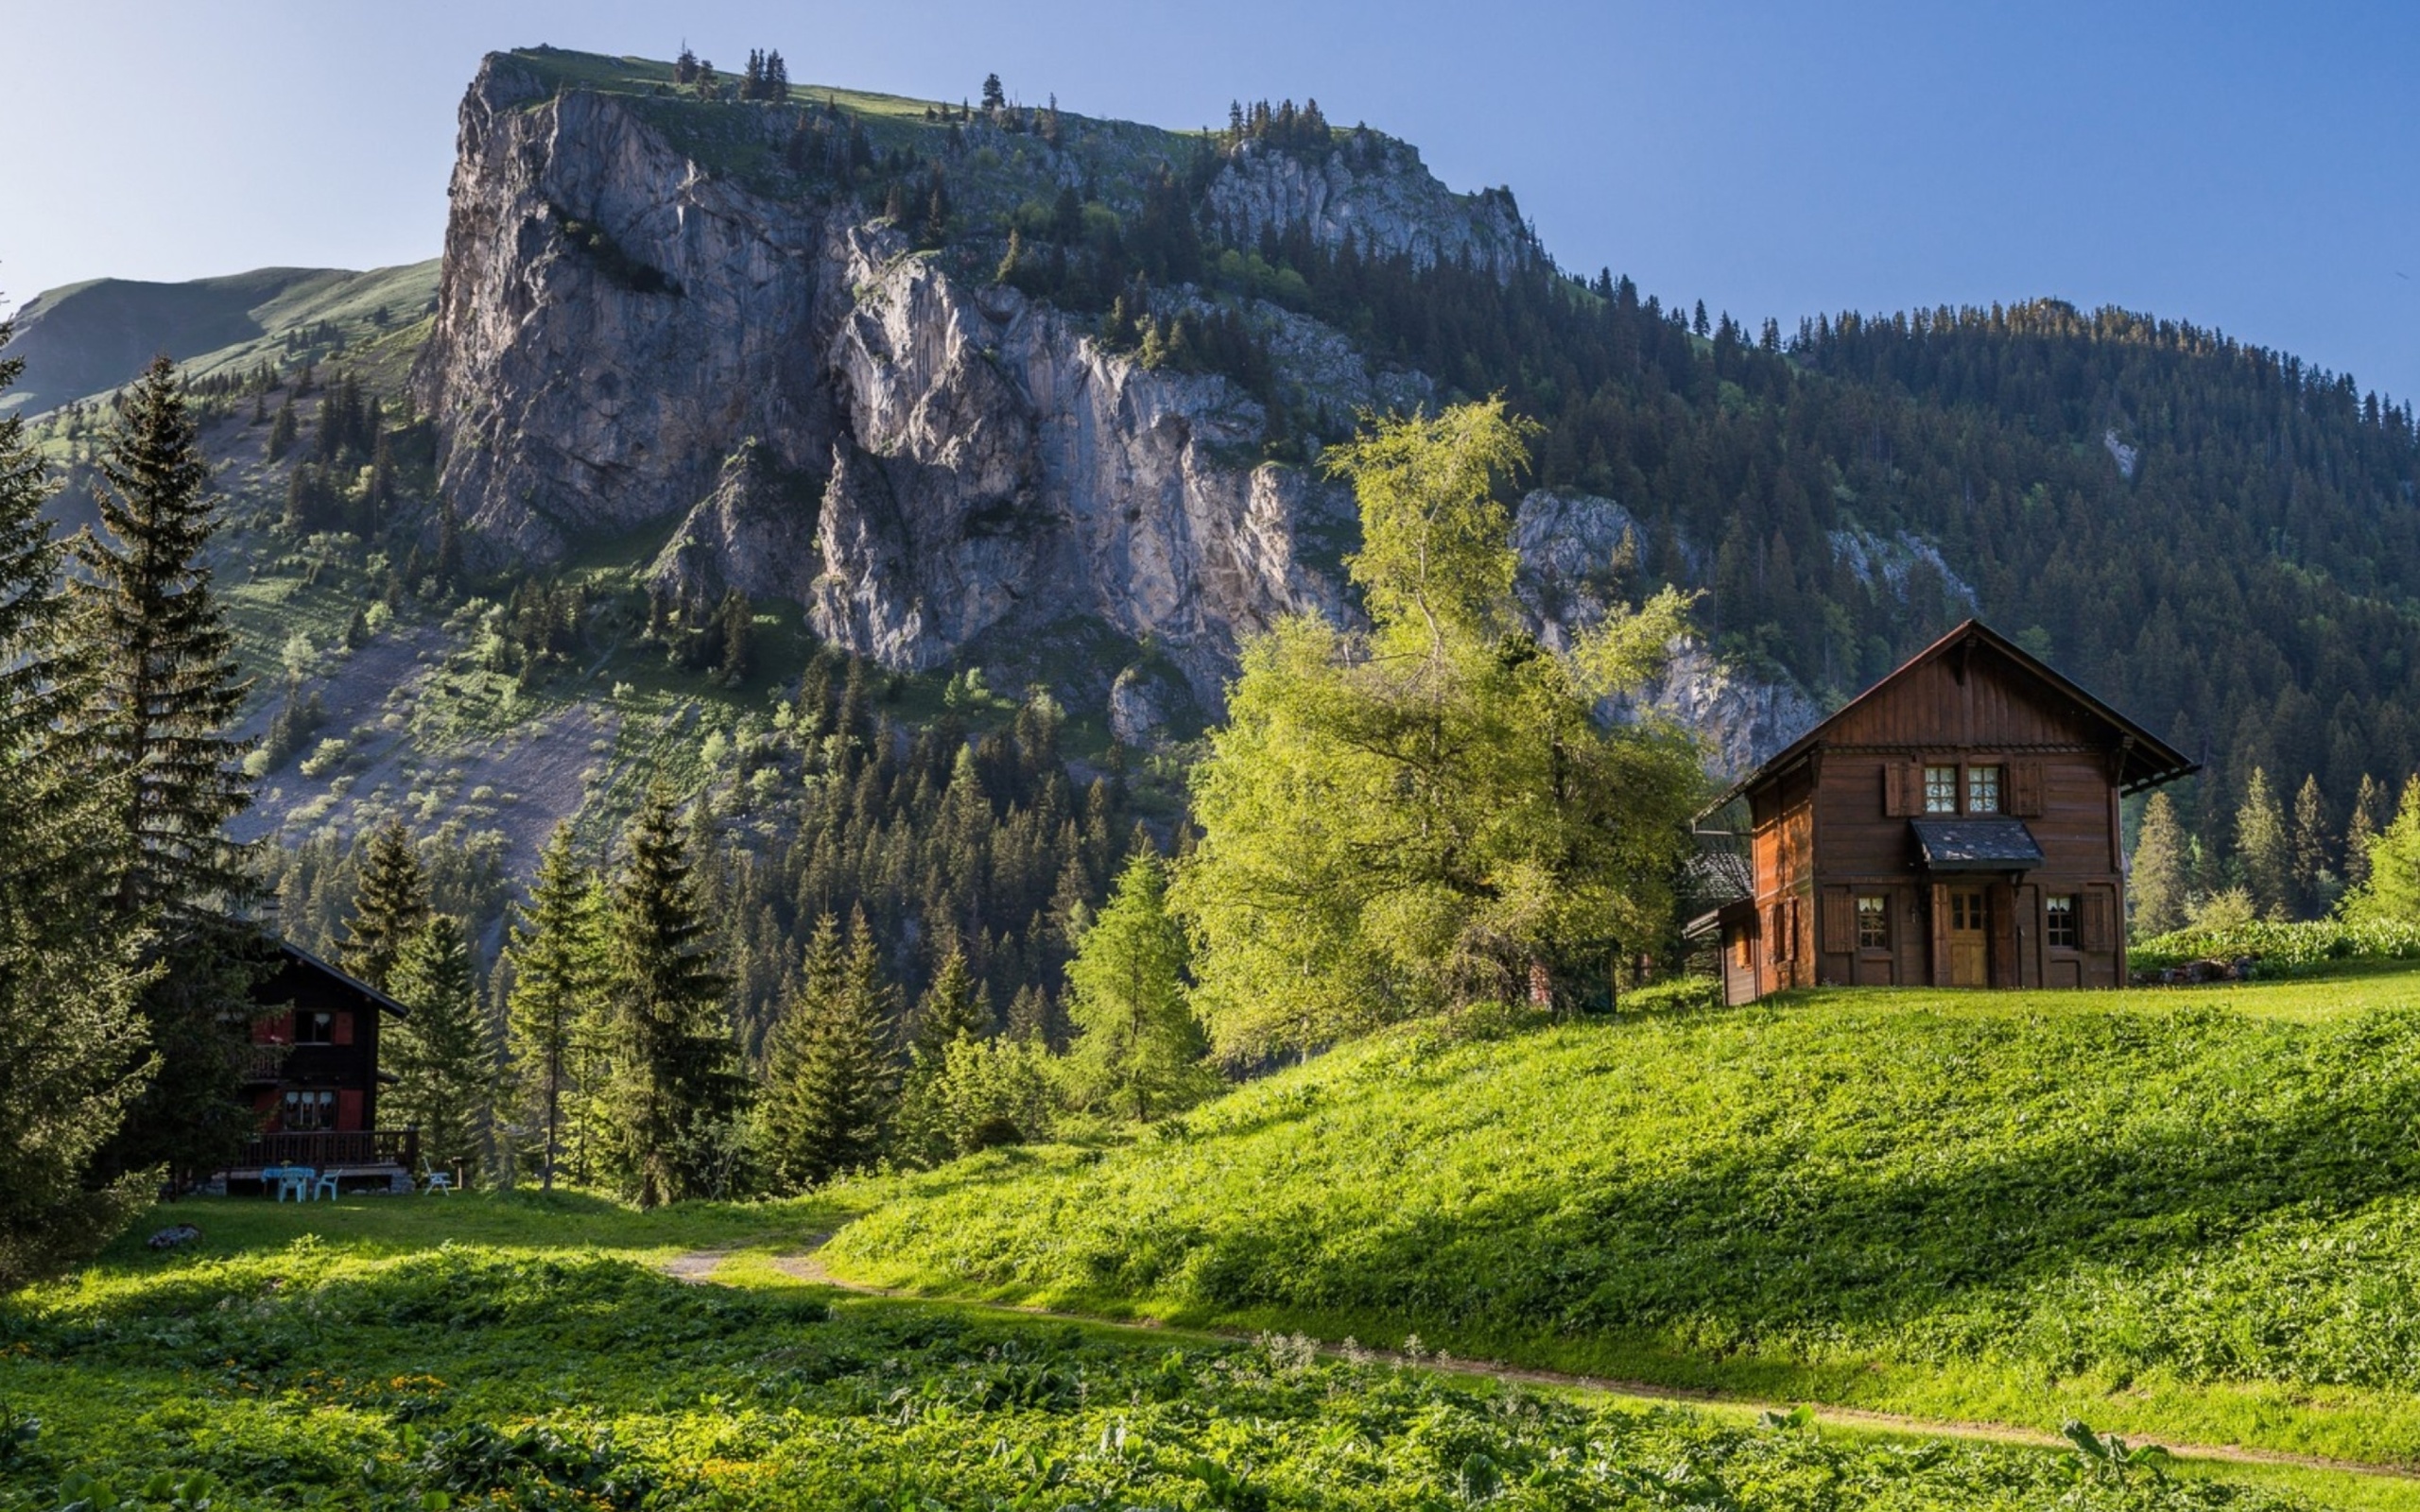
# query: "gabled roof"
2147,761
294,961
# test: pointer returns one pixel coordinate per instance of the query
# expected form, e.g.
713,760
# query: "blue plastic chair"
297,1180
325,1186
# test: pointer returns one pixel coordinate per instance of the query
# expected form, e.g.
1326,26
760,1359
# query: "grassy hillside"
421,1353
2192,1213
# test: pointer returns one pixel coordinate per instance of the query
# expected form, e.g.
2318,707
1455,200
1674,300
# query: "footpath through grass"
2191,1214
421,1354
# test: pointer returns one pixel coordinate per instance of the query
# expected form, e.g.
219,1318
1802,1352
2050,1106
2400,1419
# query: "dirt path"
804,1265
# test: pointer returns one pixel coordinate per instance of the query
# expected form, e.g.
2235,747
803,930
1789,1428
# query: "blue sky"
2248,167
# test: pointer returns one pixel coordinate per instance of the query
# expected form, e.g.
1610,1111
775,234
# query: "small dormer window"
1940,790
1982,790
315,1028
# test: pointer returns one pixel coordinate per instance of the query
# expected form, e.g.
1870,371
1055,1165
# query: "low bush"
2280,947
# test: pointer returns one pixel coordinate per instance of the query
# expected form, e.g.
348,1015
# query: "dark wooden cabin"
1954,825
312,1074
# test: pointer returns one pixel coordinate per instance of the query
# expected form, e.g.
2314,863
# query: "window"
1940,790
1874,924
310,1110
1965,911
2059,928
315,1028
1982,790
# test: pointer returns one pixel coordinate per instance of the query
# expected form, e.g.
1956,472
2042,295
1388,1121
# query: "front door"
1968,948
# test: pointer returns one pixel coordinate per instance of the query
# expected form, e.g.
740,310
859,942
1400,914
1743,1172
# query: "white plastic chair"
325,1186
438,1181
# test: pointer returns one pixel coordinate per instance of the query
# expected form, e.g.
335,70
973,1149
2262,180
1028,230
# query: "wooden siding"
1834,825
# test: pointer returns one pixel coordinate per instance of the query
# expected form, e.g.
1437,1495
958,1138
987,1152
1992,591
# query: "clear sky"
2253,168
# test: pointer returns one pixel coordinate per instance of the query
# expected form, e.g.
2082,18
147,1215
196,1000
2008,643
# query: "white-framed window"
1982,790
1940,790
2059,922
1872,923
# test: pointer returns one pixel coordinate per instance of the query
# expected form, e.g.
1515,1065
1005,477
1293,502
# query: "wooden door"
1969,939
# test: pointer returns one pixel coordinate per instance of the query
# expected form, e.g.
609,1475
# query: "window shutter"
2097,933
340,1028
349,1109
1837,938
2025,790
1895,790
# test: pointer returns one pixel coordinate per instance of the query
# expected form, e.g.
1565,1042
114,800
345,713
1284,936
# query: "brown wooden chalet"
311,1074
1954,825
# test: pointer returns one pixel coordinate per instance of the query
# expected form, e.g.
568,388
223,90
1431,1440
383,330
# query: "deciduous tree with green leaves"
1427,813
1138,1049
2392,894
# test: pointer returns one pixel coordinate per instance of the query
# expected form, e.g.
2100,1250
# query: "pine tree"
833,1085
390,909
675,1091
440,1053
165,695
557,969
739,622
955,1004
2161,877
283,431
2315,883
994,97
2369,814
2263,849
1138,1048
72,1053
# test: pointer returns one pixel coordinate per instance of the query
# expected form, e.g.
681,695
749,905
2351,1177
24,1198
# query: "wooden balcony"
334,1149
262,1065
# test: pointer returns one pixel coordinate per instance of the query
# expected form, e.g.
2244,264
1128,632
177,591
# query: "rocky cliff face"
1572,549
615,324
1375,191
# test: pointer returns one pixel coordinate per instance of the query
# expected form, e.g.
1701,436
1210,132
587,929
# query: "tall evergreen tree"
675,1092
832,1083
390,908
2162,872
2361,828
73,1050
2263,849
2390,894
2315,883
1138,1048
557,971
165,694
442,1056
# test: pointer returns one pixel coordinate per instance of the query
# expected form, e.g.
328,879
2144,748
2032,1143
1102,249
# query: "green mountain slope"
87,338
2191,1214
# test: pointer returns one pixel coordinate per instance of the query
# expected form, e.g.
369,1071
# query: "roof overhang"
1976,845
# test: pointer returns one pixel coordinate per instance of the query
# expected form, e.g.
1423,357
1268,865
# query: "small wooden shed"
1954,825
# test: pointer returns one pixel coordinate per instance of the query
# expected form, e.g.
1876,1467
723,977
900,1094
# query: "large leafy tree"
73,1049
558,969
1428,813
165,693
676,1090
1138,1048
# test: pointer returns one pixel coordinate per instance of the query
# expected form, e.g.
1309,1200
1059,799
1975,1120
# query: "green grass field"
2187,1214
426,1353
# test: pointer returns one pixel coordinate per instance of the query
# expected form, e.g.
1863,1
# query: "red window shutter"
340,1029
277,1031
2025,790
1837,938
2098,937
349,1107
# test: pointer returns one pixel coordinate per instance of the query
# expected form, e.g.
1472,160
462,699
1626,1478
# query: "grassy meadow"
426,1353
2184,1213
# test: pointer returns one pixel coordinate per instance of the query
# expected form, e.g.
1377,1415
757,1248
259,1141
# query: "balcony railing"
323,1149
262,1065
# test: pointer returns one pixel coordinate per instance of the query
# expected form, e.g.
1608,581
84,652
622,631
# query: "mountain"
1010,398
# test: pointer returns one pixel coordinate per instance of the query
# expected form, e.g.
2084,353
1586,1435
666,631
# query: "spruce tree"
2314,882
833,1085
390,905
2263,849
2161,874
440,1053
557,969
1138,1048
955,1014
675,1091
73,1050
2369,815
166,694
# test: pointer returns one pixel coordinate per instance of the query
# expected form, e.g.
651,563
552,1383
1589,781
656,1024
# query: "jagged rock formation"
755,532
1571,548
1375,191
